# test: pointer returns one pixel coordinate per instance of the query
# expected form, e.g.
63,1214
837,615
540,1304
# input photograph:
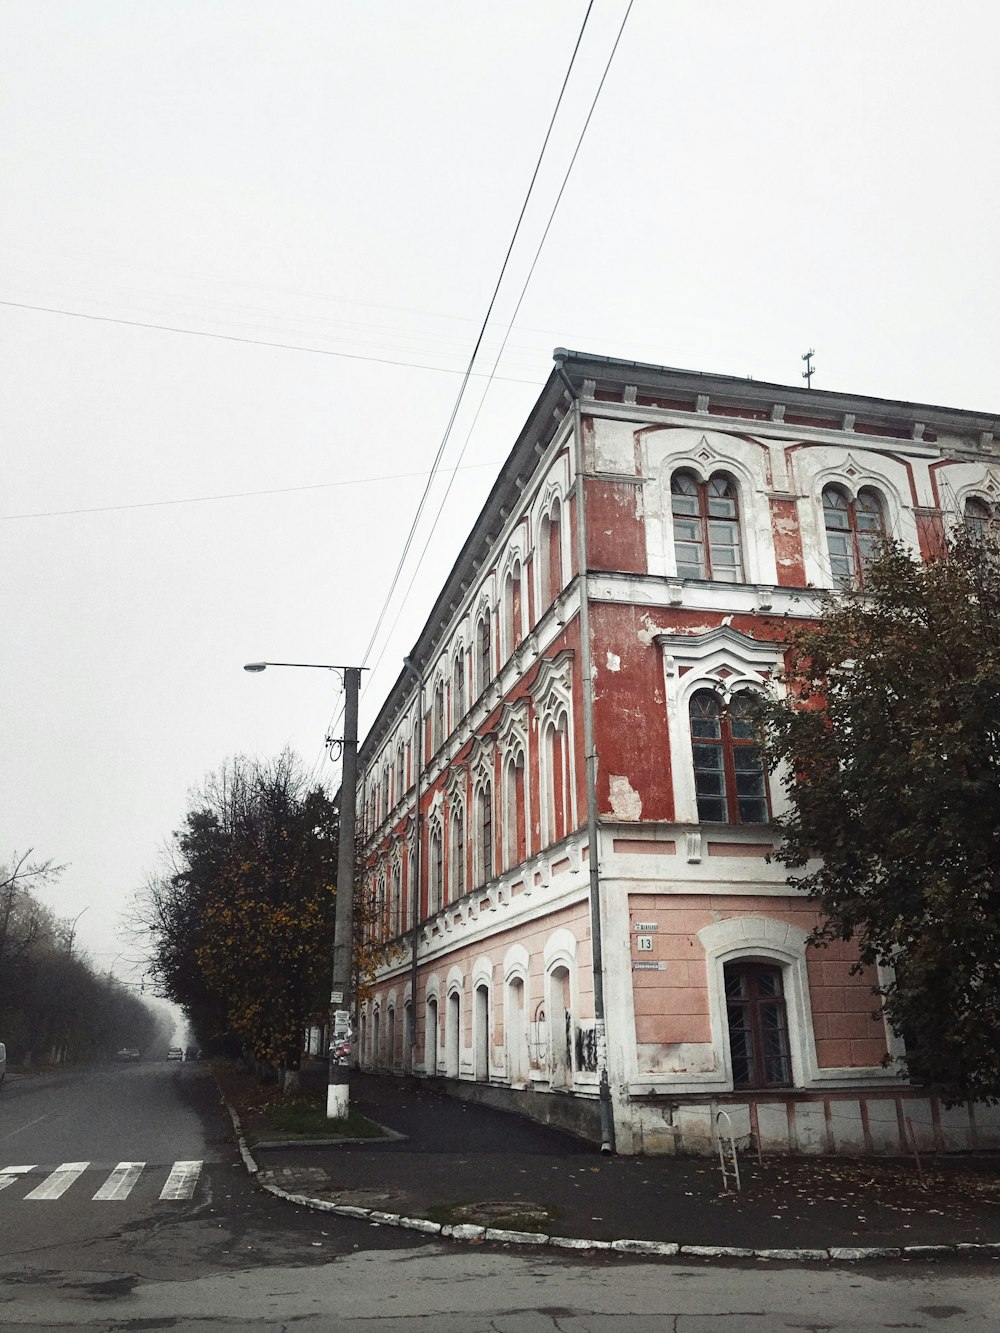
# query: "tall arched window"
512,608
436,884
396,902
400,770
458,704
728,767
484,810
380,919
557,765
706,519
437,717
758,1025
854,529
515,822
484,652
456,854
386,791
550,550
979,518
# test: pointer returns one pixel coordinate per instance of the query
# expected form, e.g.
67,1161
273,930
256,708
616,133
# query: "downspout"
590,756
414,879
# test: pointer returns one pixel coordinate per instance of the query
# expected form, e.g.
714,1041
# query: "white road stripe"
55,1185
119,1184
9,1175
181,1181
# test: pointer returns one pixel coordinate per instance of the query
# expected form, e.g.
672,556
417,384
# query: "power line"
229,495
236,338
435,466
510,325
475,351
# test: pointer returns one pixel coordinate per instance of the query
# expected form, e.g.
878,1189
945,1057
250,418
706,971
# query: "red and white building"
560,803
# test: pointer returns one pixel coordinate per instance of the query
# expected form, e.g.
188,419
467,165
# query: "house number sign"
644,943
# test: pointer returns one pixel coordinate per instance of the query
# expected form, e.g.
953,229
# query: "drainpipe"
590,756
414,879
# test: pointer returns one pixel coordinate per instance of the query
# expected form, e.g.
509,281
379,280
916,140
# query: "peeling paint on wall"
614,661
626,803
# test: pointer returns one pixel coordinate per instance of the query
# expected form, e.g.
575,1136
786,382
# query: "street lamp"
72,930
338,1078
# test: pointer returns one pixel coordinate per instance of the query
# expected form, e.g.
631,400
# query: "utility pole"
810,369
338,1080
338,1087
414,870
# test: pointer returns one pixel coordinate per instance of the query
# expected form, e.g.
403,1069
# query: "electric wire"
472,359
479,340
509,328
238,338
230,495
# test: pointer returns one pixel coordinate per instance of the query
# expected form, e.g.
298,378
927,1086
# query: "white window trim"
851,472
751,937
667,450
751,663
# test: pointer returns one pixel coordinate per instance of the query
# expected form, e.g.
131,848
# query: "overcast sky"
343,178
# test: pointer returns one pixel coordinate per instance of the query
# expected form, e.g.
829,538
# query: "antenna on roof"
810,369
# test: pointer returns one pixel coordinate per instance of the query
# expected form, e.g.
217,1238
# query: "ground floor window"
758,1025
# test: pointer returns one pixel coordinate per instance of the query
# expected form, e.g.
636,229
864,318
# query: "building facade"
565,818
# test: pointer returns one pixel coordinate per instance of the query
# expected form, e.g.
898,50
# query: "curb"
650,1249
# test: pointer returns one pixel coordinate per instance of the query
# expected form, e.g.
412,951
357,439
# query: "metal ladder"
731,1169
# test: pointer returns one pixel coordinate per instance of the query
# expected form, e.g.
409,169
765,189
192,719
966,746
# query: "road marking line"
181,1181
55,1185
119,1184
37,1120
10,1174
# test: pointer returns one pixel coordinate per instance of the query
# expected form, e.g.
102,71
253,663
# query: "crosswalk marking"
119,1184
9,1175
56,1184
181,1181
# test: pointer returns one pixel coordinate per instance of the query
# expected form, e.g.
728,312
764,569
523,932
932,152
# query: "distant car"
128,1053
175,1053
192,1053
3,1063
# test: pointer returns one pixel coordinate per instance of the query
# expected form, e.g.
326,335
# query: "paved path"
460,1163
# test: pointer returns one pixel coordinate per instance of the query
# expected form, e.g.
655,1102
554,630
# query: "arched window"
484,801
728,767
380,922
979,518
401,783
431,1035
396,900
386,799
550,550
557,774
437,718
436,872
512,608
758,1025
706,519
854,529
458,704
484,652
457,854
515,821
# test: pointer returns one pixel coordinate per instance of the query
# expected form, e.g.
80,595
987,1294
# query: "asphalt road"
227,1256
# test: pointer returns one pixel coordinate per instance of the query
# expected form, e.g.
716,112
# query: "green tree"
242,924
890,742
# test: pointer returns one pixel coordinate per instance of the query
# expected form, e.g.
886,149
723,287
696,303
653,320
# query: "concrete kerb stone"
275,1145
646,1248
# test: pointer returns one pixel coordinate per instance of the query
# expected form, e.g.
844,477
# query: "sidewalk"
467,1167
